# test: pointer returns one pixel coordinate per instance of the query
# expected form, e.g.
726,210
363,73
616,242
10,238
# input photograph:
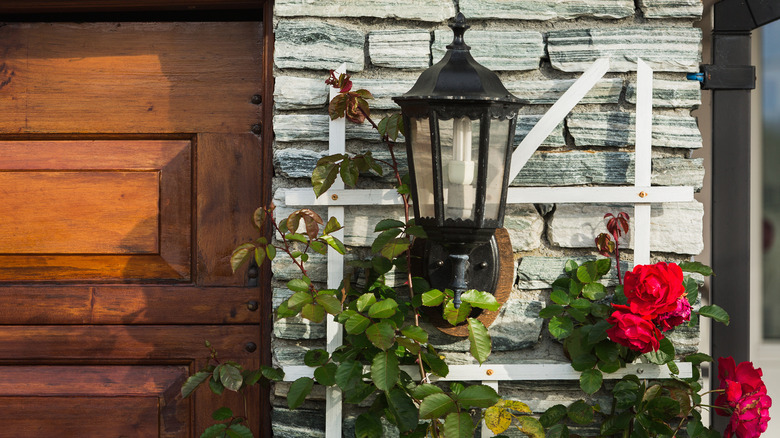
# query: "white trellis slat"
333,330
642,195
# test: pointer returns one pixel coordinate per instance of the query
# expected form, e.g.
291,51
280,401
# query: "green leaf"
438,366
584,362
222,414
483,300
664,354
416,333
368,426
356,323
193,381
603,266
531,427
333,225
299,299
403,409
479,396
395,247
715,312
241,255
696,267
408,344
560,327
497,419
582,305
365,301
383,309
386,224
553,415
323,177
580,412
588,272
432,298
313,312
349,173
316,357
335,244
615,424
298,285
216,386
436,406
270,251
590,381
326,374
550,311
384,238
348,374
424,390
385,370
570,266
560,296
456,316
698,358
599,332
458,425
239,431
214,431
594,291
557,431
608,351
298,391
231,377
381,265
259,255
691,290
479,339
382,335
417,231
330,303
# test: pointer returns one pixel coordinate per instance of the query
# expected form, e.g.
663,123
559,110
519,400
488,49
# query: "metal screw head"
252,305
642,194
489,372
334,197
482,265
250,347
257,99
257,129
440,263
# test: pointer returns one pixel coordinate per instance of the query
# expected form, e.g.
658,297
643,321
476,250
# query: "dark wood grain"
57,6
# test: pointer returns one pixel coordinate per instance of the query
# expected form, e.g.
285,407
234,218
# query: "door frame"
734,22
188,10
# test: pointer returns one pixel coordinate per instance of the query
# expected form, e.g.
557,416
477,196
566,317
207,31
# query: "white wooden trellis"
641,194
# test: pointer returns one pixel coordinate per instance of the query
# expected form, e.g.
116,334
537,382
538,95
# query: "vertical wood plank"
228,192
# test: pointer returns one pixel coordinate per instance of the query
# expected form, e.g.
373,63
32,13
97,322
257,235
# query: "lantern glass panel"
496,167
420,131
459,156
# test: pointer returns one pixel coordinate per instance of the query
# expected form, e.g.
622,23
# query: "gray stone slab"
517,326
525,227
546,10
383,91
617,129
295,162
295,327
297,423
360,221
429,10
672,8
300,127
526,122
685,339
662,48
314,45
498,50
535,272
548,92
284,269
604,168
291,92
292,352
674,227
670,94
400,48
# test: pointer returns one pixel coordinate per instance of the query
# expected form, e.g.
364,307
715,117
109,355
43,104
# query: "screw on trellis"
641,194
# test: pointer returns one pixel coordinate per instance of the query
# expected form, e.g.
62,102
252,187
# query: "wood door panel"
48,6
80,212
173,77
124,216
115,304
125,342
86,400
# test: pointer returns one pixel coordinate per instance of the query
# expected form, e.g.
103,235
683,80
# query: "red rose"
652,290
744,398
670,320
633,331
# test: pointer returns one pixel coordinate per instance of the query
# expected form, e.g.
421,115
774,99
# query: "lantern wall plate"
493,273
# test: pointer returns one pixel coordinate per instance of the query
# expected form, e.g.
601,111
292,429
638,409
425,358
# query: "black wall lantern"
460,124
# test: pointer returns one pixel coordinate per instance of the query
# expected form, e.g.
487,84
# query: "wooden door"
128,173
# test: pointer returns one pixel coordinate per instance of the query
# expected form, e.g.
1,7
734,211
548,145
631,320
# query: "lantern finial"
459,27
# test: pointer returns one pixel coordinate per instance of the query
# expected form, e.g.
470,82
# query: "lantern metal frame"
460,254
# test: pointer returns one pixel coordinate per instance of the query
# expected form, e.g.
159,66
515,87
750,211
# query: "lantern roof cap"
458,77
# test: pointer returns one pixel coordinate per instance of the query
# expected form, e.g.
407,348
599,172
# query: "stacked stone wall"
539,48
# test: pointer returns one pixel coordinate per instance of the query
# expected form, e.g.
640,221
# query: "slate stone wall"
538,48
